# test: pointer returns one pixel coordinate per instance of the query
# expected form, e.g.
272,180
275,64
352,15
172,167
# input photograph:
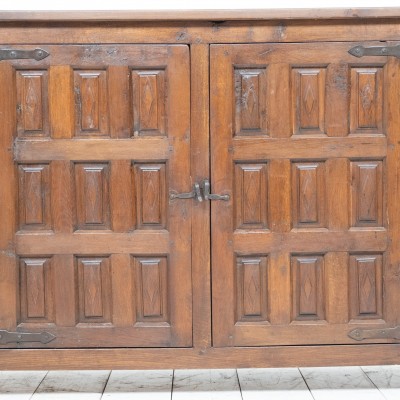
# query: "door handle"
194,194
206,187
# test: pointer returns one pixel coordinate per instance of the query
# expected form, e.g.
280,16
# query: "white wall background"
185,4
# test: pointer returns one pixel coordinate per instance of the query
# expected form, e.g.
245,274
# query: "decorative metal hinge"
360,51
12,337
10,54
388,333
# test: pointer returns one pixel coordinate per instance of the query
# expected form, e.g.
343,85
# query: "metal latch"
194,194
205,185
360,51
16,337
36,54
386,333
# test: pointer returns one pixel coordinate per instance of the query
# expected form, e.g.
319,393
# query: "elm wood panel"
36,290
308,148
366,100
151,286
367,196
121,195
62,183
337,287
251,196
337,193
310,240
61,101
336,90
32,103
302,333
34,197
308,194
94,242
250,101
65,290
8,193
308,100
94,284
180,212
200,168
150,182
252,289
260,357
201,32
308,287
391,275
92,182
93,149
92,335
91,103
119,101
148,89
365,286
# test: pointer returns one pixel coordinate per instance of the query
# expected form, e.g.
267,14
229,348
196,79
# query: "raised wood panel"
308,100
308,287
91,103
151,289
92,196
251,101
251,195
366,193
94,283
150,189
365,286
252,288
308,194
34,197
32,103
148,89
366,103
36,290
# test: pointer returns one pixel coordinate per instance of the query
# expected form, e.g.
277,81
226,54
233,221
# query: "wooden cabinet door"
305,140
93,140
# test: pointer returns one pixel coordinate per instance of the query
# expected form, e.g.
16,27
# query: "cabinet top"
203,15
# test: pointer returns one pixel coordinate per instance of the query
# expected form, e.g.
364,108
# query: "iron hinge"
36,54
360,51
16,337
386,333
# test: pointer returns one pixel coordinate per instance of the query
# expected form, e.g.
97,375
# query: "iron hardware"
205,185
10,54
362,334
194,194
12,337
360,51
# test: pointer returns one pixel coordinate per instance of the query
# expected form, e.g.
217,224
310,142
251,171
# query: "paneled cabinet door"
305,138
98,255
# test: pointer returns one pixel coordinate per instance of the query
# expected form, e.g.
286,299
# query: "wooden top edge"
203,15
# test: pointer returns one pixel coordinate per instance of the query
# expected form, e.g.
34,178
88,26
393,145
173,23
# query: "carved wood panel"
251,102
32,103
366,109
36,290
34,197
308,194
251,196
252,288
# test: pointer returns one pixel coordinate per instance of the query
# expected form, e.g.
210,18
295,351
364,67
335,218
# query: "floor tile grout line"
37,387
172,382
305,381
240,386
362,369
105,385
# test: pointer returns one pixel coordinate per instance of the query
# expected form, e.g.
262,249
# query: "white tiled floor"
336,383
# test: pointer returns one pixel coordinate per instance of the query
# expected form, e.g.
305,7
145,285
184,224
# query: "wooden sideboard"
204,189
